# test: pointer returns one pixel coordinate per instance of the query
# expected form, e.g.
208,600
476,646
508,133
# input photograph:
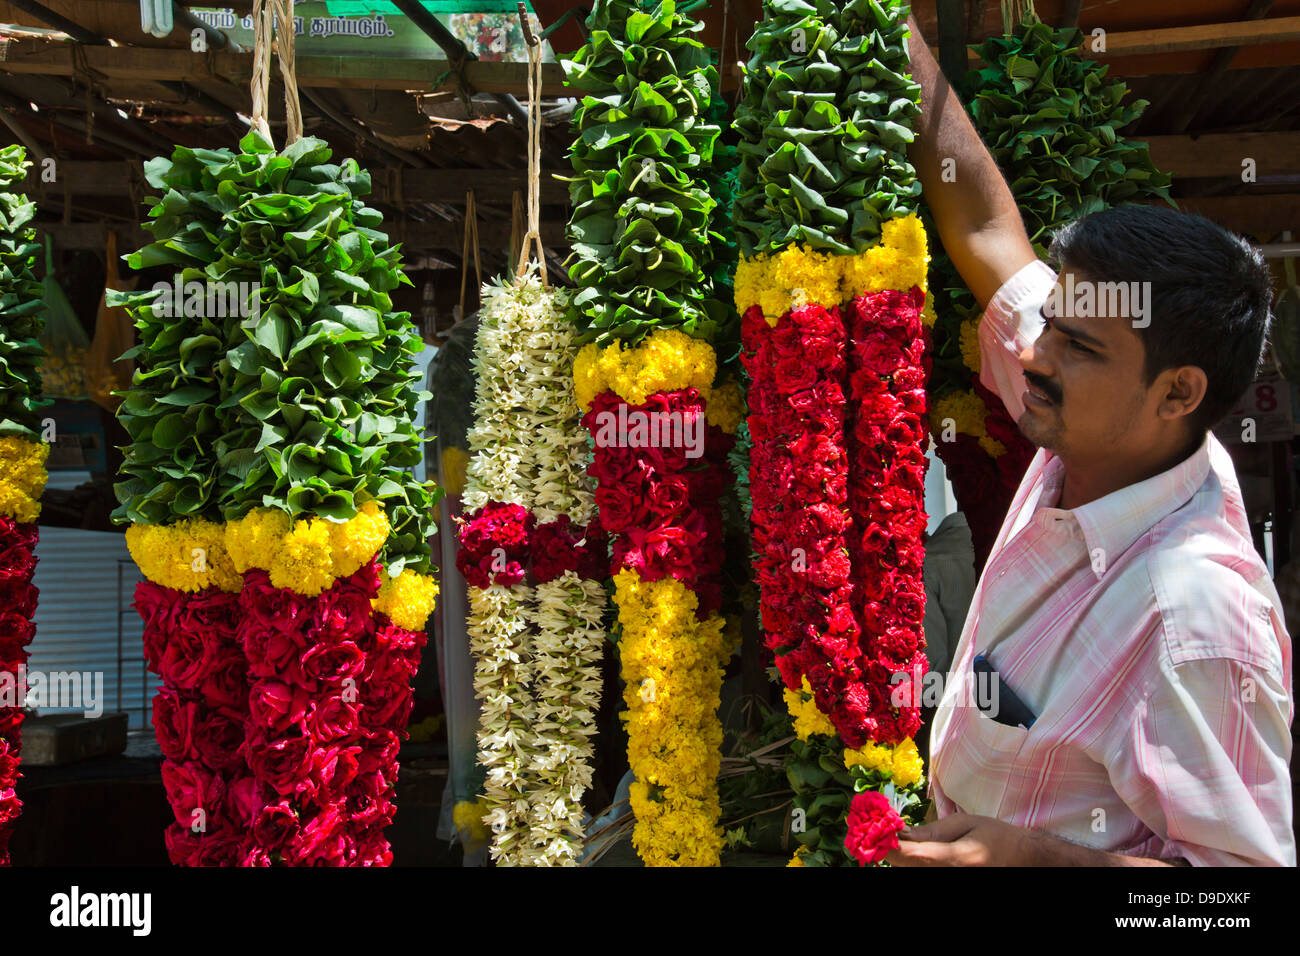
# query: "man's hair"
1210,293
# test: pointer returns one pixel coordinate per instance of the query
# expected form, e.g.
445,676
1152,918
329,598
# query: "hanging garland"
534,556
1054,124
661,416
537,642
22,464
284,546
831,286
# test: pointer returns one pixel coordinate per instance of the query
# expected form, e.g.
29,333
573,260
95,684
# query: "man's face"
1087,398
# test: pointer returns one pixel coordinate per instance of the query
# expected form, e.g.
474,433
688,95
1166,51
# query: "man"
1123,604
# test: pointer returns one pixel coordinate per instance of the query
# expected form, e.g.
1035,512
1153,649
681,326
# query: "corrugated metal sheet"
87,583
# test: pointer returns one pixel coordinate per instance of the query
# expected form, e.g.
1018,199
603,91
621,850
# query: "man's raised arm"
976,214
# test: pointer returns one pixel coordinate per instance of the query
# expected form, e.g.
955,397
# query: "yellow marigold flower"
797,859
407,599
189,555
454,462
586,376
902,762
964,412
808,719
355,541
726,407
907,764
254,539
970,344
872,756
22,478
308,555
666,360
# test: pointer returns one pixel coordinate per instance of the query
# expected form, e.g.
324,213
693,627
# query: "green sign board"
489,29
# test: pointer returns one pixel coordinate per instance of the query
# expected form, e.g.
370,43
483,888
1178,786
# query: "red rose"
274,706
174,718
276,825
332,664
191,788
335,716
333,767
321,841
874,826
283,763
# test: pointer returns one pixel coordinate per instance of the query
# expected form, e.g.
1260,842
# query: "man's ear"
1181,391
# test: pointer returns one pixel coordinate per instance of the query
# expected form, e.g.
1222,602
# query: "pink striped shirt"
1144,633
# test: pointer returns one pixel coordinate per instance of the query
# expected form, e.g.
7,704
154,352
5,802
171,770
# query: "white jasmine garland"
537,649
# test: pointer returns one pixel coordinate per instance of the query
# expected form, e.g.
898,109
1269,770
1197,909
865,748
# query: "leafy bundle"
303,397
20,302
644,144
1053,122
825,121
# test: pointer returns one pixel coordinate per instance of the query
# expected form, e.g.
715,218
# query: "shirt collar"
1112,523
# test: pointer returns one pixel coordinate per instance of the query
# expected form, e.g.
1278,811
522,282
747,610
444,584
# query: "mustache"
1046,386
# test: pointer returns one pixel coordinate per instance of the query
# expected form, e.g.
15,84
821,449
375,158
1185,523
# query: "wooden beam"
390,184
416,237
31,57
1189,106
1208,36
1262,216
1214,155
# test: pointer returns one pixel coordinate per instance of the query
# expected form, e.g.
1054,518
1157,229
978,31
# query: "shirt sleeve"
1010,323
1206,765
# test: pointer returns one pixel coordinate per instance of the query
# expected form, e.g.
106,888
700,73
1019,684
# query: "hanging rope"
288,70
533,235
471,242
263,30
518,226
272,19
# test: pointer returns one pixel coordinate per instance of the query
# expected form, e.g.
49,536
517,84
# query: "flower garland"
22,465
660,410
534,557
832,291
283,544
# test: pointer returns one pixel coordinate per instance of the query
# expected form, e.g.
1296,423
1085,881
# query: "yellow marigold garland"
799,276
22,478
189,555
666,361
308,555
305,556
673,678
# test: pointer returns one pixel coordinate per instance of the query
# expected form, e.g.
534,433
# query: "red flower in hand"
873,827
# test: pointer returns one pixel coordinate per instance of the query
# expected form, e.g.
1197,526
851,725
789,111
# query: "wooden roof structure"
81,82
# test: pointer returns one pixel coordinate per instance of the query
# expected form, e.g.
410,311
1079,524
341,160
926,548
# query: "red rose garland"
330,689
887,499
663,507
17,605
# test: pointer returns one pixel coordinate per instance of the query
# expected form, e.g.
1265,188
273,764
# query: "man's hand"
964,839
961,840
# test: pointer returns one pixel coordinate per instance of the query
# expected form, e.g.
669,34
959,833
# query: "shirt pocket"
999,742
